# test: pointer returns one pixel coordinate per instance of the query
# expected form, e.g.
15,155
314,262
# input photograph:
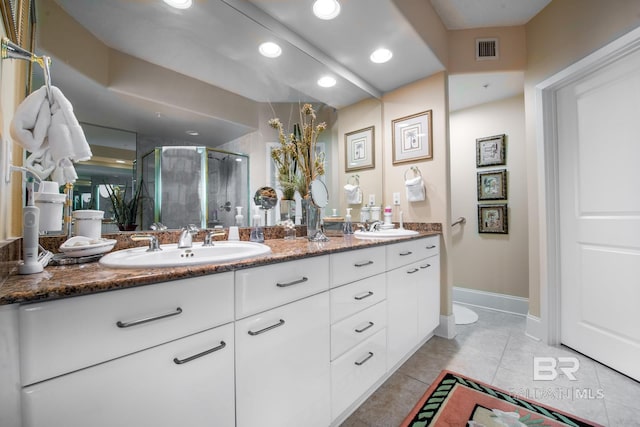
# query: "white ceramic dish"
85,246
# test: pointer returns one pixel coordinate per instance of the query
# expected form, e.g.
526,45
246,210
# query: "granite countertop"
83,279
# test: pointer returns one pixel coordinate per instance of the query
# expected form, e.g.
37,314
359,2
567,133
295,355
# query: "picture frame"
359,149
493,219
491,151
412,138
492,185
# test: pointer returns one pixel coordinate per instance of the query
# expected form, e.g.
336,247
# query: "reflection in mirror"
266,198
319,200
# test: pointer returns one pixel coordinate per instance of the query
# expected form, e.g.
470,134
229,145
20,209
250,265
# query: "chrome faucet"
371,226
154,246
186,237
208,238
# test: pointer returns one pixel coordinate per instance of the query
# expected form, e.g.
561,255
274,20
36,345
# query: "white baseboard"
491,300
534,327
447,327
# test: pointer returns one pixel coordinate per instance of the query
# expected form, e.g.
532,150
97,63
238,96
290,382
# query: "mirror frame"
16,16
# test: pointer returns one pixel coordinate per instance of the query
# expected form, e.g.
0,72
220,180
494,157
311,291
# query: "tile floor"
496,350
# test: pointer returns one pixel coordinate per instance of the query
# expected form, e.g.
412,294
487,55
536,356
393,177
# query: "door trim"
547,168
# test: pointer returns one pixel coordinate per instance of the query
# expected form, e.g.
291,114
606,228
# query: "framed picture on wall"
493,219
490,151
492,185
359,149
412,138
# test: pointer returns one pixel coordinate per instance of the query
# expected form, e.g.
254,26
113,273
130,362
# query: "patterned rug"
456,400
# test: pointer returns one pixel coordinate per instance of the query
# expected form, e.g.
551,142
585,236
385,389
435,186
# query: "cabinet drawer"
405,253
356,371
147,388
357,328
61,336
350,266
349,299
262,288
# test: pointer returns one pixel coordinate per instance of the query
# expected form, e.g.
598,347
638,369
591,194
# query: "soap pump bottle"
239,216
257,235
347,227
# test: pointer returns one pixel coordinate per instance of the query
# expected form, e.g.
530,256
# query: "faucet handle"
154,246
191,228
208,238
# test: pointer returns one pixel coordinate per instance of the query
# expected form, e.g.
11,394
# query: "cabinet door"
402,306
428,296
282,366
187,382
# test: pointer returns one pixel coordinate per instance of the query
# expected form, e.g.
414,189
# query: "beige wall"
489,262
423,95
511,50
564,32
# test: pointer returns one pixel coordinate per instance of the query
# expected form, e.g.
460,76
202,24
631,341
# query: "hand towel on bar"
31,120
415,189
353,193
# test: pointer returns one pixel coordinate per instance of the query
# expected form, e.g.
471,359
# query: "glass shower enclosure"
194,185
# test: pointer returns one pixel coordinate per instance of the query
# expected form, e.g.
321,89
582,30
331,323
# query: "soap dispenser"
257,235
347,227
239,216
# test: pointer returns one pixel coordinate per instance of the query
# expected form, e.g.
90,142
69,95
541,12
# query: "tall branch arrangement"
296,159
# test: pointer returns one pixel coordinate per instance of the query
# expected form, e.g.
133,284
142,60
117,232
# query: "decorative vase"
304,208
314,224
127,227
287,209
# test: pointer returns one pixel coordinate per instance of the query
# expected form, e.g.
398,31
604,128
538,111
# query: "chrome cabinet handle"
413,271
361,297
295,282
268,328
431,247
365,328
363,361
405,253
196,356
425,266
362,264
148,319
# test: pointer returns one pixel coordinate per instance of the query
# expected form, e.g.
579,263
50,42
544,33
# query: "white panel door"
599,180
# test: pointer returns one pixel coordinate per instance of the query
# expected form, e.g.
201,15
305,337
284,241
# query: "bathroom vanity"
299,337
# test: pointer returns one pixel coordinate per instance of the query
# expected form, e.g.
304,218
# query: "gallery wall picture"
359,149
492,185
491,151
412,138
493,219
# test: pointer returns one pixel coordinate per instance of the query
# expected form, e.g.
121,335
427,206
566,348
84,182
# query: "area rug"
459,401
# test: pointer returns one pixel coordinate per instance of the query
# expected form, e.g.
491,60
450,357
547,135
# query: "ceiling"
215,41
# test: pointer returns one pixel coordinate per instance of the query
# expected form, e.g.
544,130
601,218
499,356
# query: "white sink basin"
171,256
384,234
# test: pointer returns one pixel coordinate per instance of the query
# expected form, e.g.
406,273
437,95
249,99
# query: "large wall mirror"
128,72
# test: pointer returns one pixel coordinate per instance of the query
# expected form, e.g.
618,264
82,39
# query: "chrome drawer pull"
148,319
365,328
405,253
295,282
268,328
425,266
363,361
431,247
196,356
362,264
413,271
361,297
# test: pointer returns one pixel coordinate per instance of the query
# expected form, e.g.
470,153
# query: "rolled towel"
353,193
66,137
415,189
31,120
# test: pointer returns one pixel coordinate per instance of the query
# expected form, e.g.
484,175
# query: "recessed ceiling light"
326,9
380,56
179,4
327,81
238,159
121,161
270,50
192,132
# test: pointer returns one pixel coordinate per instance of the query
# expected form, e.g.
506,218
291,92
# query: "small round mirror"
266,198
319,193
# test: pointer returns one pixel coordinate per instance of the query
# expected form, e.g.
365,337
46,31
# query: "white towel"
415,189
51,132
353,193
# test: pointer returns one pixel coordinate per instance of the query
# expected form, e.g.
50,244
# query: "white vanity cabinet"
413,295
282,365
187,382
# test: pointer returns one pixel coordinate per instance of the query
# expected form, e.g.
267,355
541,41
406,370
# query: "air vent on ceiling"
486,49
